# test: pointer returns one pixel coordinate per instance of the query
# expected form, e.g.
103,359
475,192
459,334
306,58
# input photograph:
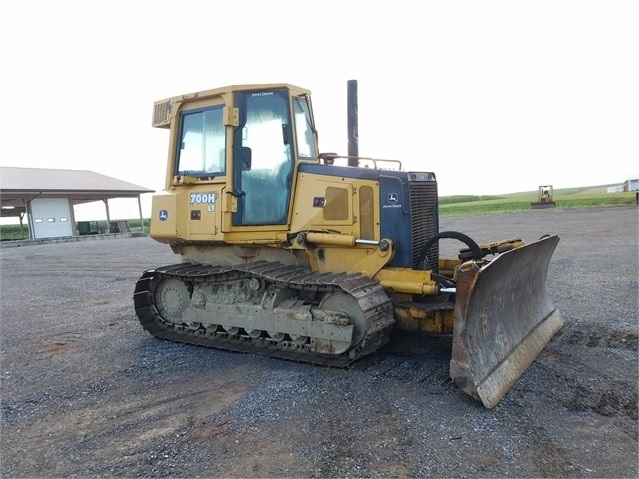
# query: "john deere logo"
163,215
392,201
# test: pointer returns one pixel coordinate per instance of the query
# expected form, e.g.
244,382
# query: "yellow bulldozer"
545,198
287,252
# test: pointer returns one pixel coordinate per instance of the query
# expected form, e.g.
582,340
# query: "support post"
141,218
108,215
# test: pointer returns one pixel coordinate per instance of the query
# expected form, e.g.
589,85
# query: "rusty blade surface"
504,317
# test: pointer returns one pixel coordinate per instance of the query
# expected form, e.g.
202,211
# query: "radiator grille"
162,114
424,221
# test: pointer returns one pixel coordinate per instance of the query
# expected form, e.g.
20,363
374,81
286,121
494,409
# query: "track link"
369,295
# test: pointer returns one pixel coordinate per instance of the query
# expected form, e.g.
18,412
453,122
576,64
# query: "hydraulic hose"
472,245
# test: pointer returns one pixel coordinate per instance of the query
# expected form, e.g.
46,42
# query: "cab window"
265,136
201,151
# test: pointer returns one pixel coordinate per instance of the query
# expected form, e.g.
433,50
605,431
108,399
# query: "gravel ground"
86,392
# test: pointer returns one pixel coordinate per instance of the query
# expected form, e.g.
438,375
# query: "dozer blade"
504,317
542,205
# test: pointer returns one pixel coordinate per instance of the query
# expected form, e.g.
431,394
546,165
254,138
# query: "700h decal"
202,198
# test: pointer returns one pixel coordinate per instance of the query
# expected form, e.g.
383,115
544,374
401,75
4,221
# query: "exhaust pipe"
353,128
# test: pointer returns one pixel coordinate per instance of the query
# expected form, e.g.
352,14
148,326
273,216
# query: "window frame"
177,171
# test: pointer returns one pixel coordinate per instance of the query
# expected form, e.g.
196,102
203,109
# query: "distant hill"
581,190
579,197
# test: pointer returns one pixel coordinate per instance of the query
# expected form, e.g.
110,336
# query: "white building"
632,183
46,197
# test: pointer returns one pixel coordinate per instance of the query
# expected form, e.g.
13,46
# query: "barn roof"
18,185
14,180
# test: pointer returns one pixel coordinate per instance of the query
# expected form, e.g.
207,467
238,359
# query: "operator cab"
272,127
264,154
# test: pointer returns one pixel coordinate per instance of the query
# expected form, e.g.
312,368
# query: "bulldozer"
317,257
545,198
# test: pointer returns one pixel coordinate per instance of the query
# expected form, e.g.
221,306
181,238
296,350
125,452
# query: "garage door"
51,217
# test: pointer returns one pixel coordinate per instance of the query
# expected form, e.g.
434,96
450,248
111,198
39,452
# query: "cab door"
263,158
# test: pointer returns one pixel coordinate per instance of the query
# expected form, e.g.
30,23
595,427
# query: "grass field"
465,205
12,232
564,198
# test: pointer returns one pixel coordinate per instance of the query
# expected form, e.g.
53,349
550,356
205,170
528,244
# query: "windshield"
201,151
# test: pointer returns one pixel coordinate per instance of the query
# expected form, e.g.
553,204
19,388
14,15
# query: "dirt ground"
86,392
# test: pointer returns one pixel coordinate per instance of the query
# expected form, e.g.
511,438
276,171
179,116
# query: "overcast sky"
494,96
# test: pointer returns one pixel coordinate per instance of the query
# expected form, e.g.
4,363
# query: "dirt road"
86,392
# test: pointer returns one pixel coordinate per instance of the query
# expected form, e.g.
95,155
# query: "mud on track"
87,393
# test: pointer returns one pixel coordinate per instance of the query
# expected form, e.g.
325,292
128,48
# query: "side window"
202,144
304,129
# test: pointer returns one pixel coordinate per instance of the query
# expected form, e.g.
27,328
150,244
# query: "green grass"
461,205
12,232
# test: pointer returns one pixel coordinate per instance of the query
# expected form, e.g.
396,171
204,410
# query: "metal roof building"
47,196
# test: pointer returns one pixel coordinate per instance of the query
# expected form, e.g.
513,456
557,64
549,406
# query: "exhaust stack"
353,128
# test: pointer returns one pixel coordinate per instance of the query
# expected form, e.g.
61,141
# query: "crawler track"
311,287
